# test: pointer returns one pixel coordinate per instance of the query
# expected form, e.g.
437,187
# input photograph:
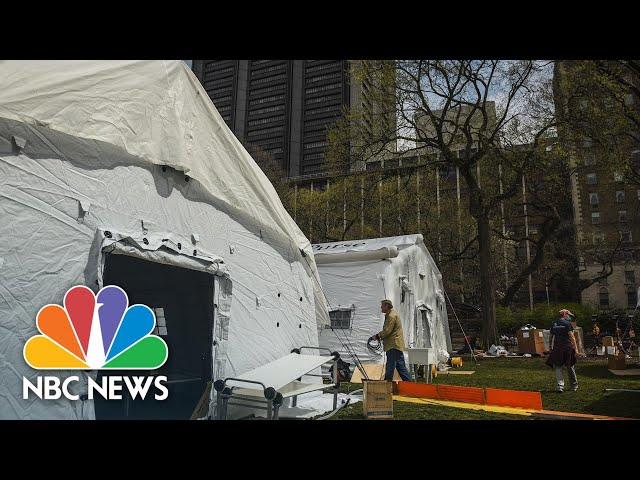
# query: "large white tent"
356,275
123,172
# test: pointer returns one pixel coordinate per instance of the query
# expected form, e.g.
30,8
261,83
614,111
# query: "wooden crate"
617,362
531,341
377,401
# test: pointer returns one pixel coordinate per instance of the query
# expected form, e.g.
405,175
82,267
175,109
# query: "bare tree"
471,116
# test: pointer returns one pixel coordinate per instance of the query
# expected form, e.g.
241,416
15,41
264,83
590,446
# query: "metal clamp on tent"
266,387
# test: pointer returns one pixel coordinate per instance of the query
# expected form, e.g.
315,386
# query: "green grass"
525,374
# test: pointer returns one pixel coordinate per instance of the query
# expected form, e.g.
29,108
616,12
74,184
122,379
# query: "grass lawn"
526,374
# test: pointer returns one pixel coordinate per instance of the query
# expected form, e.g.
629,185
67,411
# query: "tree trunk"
478,211
489,325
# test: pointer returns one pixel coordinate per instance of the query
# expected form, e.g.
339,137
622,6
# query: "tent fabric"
366,245
411,281
64,184
159,112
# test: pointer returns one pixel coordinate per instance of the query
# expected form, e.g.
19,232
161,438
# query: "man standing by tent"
393,341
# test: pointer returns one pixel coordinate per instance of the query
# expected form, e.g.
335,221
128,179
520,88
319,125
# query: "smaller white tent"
357,275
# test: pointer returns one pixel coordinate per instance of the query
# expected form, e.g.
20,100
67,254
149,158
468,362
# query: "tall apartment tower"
283,107
606,210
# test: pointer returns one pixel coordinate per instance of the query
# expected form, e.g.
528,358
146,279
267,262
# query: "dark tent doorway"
184,298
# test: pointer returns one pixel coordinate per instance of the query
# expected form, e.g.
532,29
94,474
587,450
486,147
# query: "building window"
632,297
629,277
446,171
318,111
325,66
604,282
274,78
622,216
315,145
595,218
373,165
604,297
322,88
627,255
341,317
620,196
264,121
323,98
323,77
625,236
161,322
589,160
273,98
598,238
260,111
314,156
593,199
592,179
618,177
265,132
260,71
273,151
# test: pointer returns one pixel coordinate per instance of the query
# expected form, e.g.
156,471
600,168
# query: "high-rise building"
283,107
606,207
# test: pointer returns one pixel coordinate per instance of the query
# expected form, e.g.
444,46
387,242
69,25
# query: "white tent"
123,172
357,275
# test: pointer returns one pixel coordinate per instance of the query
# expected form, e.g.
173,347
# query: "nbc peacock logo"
95,332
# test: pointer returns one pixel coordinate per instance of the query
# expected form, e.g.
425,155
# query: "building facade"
606,204
283,108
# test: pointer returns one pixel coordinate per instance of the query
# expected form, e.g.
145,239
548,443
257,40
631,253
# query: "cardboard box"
531,341
577,332
617,362
607,341
377,401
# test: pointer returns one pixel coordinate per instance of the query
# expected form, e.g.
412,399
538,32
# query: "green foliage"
510,320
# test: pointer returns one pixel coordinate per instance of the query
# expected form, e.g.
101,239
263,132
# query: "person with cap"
393,342
563,349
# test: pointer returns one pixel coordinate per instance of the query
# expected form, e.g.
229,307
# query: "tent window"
161,322
341,318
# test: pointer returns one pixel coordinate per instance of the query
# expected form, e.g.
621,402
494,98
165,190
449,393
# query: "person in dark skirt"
563,350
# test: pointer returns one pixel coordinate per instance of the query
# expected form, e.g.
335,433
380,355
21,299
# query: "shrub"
509,320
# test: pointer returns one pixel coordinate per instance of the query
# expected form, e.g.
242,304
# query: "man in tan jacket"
393,342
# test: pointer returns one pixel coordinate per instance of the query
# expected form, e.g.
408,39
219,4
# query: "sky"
188,62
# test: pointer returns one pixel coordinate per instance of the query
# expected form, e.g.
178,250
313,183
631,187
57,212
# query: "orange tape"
461,394
477,395
441,392
420,390
514,398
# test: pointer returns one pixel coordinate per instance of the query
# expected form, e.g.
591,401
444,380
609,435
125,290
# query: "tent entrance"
184,298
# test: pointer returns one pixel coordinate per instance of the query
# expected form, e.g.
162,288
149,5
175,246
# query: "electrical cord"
375,347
